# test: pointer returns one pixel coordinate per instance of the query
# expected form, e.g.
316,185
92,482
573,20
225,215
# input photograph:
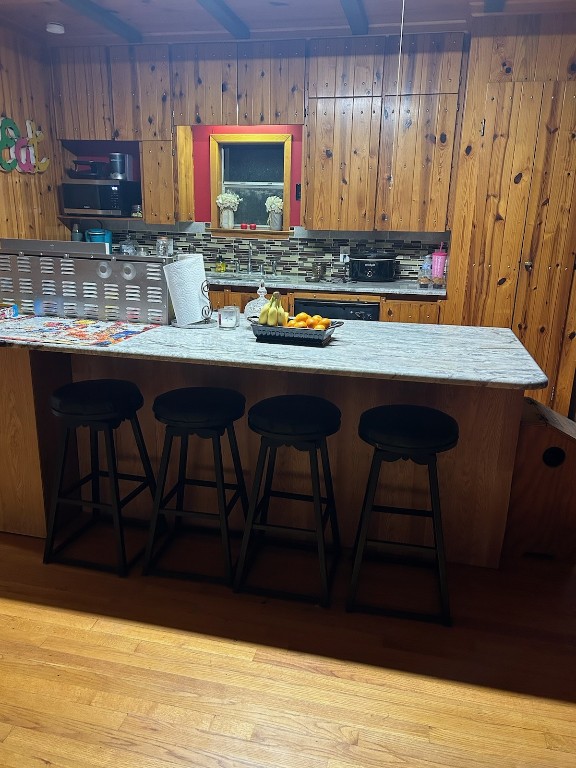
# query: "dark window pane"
253,162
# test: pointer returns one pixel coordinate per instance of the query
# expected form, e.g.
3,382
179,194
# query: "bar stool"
418,434
101,405
302,422
206,412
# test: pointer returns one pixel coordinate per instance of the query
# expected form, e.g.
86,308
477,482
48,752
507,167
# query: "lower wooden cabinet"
396,310
409,311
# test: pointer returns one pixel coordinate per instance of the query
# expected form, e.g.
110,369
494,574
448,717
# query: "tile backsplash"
296,255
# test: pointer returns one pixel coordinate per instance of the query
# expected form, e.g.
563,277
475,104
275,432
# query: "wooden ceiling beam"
356,15
105,19
227,18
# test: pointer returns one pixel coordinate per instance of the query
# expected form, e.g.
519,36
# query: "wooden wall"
513,237
29,205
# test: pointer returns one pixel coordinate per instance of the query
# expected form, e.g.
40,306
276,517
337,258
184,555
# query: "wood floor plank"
161,673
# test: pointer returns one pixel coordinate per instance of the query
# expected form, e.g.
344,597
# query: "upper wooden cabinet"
82,97
378,149
260,83
204,78
168,178
141,97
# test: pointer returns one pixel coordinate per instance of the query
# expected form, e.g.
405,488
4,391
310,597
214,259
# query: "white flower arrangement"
228,200
274,204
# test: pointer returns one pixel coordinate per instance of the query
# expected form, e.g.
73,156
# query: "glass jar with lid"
254,307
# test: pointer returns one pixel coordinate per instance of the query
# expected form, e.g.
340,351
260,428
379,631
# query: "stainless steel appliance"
339,310
100,197
372,267
121,167
69,279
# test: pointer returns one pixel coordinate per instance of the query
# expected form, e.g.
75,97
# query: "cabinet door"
142,106
81,93
415,163
409,311
341,161
167,171
156,166
204,83
218,299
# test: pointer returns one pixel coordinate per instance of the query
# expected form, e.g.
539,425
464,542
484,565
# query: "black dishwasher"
339,310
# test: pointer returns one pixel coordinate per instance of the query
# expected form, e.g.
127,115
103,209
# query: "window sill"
255,234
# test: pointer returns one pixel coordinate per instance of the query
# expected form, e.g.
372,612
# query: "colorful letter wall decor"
21,152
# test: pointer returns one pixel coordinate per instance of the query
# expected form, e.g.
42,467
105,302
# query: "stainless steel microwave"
101,197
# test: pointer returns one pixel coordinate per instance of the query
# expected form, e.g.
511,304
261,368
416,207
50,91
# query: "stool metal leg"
143,452
331,501
56,490
115,501
158,498
220,491
95,470
363,526
318,518
238,468
257,482
439,540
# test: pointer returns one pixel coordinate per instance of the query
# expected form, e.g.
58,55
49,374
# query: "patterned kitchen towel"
58,330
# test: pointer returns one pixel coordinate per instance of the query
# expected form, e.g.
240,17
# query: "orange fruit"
323,325
291,324
326,321
311,322
299,324
302,316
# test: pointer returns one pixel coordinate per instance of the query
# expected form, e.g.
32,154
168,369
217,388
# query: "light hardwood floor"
147,672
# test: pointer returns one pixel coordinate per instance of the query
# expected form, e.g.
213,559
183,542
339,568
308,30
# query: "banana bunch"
273,313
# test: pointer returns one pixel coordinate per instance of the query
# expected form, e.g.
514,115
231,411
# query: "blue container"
99,236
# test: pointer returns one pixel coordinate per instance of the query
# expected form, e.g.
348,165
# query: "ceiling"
109,22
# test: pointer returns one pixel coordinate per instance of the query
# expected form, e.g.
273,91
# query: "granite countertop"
474,356
298,283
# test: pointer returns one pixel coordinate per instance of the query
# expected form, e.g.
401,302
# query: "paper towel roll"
185,280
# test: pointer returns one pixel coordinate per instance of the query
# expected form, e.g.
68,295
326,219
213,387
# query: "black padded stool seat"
201,407
408,429
206,412
102,405
415,433
98,399
302,422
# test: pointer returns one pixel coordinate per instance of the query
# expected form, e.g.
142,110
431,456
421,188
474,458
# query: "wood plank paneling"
565,396
184,174
141,94
512,113
544,290
204,82
254,81
415,162
287,82
158,199
318,175
29,201
82,97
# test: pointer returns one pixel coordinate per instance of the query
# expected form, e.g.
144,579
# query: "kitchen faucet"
249,257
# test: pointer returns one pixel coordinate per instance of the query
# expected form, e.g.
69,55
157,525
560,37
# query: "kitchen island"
477,375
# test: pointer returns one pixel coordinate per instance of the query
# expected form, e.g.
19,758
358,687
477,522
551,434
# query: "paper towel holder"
207,310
